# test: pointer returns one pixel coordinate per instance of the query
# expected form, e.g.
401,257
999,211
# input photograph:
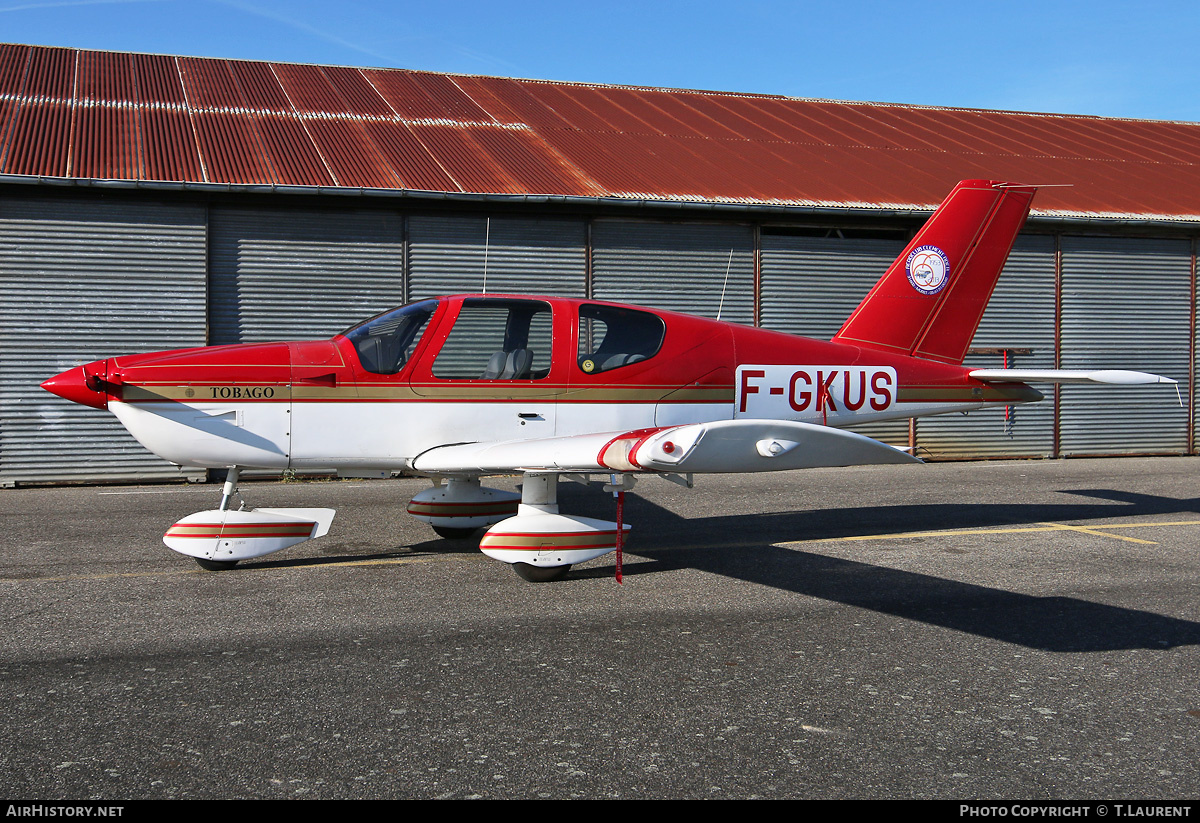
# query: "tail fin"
930,301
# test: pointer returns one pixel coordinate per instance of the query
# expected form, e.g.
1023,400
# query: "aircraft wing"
715,447
1117,377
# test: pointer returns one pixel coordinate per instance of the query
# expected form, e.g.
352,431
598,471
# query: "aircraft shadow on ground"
741,547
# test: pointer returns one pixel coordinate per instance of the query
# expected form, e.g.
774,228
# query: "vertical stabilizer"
930,301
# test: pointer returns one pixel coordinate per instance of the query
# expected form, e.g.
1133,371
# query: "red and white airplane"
458,388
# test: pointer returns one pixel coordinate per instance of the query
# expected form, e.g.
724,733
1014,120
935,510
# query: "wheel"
540,574
453,532
215,565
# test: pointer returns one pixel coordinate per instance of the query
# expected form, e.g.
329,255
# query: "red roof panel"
568,103
50,75
452,100
464,159
8,113
416,165
229,149
13,62
105,144
168,146
260,87
39,142
402,94
361,97
158,81
294,159
351,155
512,101
99,115
528,162
619,167
210,85
106,78
308,90
693,120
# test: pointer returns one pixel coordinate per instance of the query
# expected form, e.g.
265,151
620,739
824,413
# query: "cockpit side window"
611,337
386,342
497,339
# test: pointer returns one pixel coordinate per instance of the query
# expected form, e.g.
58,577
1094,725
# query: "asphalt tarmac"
1024,630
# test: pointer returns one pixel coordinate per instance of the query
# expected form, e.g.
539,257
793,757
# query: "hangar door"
299,274
471,255
703,269
1126,304
810,285
80,281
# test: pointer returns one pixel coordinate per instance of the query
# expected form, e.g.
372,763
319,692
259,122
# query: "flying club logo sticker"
928,269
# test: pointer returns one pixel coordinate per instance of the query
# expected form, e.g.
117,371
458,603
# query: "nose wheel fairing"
220,537
230,536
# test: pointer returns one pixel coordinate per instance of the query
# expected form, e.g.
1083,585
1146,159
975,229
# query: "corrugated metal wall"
467,255
1126,303
80,281
286,275
703,269
85,278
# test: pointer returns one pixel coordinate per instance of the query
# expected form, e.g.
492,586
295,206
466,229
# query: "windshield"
386,341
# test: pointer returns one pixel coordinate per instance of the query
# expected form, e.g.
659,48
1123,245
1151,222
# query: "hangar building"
151,202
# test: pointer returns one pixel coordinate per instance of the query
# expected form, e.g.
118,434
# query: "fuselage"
474,368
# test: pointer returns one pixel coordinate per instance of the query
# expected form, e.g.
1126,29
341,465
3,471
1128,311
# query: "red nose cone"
73,385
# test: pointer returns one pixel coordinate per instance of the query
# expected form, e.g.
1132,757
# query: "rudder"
930,301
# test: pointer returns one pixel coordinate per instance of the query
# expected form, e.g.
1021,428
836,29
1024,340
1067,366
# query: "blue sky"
1116,59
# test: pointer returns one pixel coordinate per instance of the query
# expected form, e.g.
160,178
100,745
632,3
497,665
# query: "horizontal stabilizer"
1114,377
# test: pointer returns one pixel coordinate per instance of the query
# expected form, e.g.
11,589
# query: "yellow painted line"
1044,527
1144,525
300,564
904,535
1098,533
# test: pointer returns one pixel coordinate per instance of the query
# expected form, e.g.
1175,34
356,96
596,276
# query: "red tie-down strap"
620,531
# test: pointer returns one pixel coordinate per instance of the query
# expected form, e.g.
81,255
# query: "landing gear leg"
227,492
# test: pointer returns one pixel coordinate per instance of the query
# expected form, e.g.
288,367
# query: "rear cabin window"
386,342
497,340
611,337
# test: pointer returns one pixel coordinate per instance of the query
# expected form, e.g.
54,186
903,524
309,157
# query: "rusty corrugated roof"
88,115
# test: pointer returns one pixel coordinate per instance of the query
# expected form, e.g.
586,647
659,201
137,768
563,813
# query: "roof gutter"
689,205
